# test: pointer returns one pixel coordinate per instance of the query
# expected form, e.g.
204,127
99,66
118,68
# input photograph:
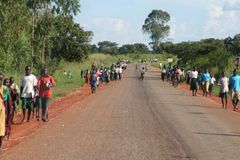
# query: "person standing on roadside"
223,84
45,83
16,89
194,81
27,91
2,112
205,79
235,89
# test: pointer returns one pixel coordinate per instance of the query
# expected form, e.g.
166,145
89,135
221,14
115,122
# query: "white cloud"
222,21
115,30
110,29
232,5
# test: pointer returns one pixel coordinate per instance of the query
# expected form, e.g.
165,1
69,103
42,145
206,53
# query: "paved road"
134,120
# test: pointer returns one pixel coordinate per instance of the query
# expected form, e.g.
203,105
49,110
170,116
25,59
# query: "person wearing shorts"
235,89
224,89
45,84
27,91
205,79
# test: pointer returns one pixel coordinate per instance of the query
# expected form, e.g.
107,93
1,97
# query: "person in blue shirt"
205,79
234,85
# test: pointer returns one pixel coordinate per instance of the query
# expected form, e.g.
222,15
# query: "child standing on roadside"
16,90
9,97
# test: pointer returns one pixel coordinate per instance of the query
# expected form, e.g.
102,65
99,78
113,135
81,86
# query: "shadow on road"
218,134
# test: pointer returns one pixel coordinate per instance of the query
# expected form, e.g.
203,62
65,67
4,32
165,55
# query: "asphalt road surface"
136,120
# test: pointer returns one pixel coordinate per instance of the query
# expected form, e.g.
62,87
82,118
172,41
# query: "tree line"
40,32
215,54
108,47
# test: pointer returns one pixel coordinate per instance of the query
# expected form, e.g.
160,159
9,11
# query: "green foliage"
133,48
108,47
40,32
156,26
214,54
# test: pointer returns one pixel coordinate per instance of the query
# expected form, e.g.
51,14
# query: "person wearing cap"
235,89
45,84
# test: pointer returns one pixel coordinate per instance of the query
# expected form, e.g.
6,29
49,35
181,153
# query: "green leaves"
156,26
40,31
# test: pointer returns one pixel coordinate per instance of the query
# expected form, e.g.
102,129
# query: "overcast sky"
121,20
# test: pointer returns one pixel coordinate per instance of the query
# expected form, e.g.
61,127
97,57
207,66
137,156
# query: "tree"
108,47
141,48
40,32
156,26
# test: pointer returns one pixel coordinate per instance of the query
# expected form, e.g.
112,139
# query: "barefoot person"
45,83
16,90
27,89
235,89
9,97
223,84
2,112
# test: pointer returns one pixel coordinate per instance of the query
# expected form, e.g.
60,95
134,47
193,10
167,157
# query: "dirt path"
137,121
21,130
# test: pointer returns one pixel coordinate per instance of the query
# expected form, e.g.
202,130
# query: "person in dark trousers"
45,83
16,89
224,89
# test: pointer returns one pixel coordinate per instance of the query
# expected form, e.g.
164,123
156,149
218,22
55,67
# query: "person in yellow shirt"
2,111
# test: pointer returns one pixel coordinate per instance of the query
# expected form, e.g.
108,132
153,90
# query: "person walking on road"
235,89
120,73
212,82
93,81
27,91
223,84
163,73
142,72
45,83
205,79
194,81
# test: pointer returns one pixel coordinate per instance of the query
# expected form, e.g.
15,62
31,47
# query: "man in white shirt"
212,82
120,73
224,89
27,90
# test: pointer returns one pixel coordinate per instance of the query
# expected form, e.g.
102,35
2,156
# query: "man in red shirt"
45,84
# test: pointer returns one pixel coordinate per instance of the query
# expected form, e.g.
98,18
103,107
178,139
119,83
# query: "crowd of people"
205,81
34,94
97,75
